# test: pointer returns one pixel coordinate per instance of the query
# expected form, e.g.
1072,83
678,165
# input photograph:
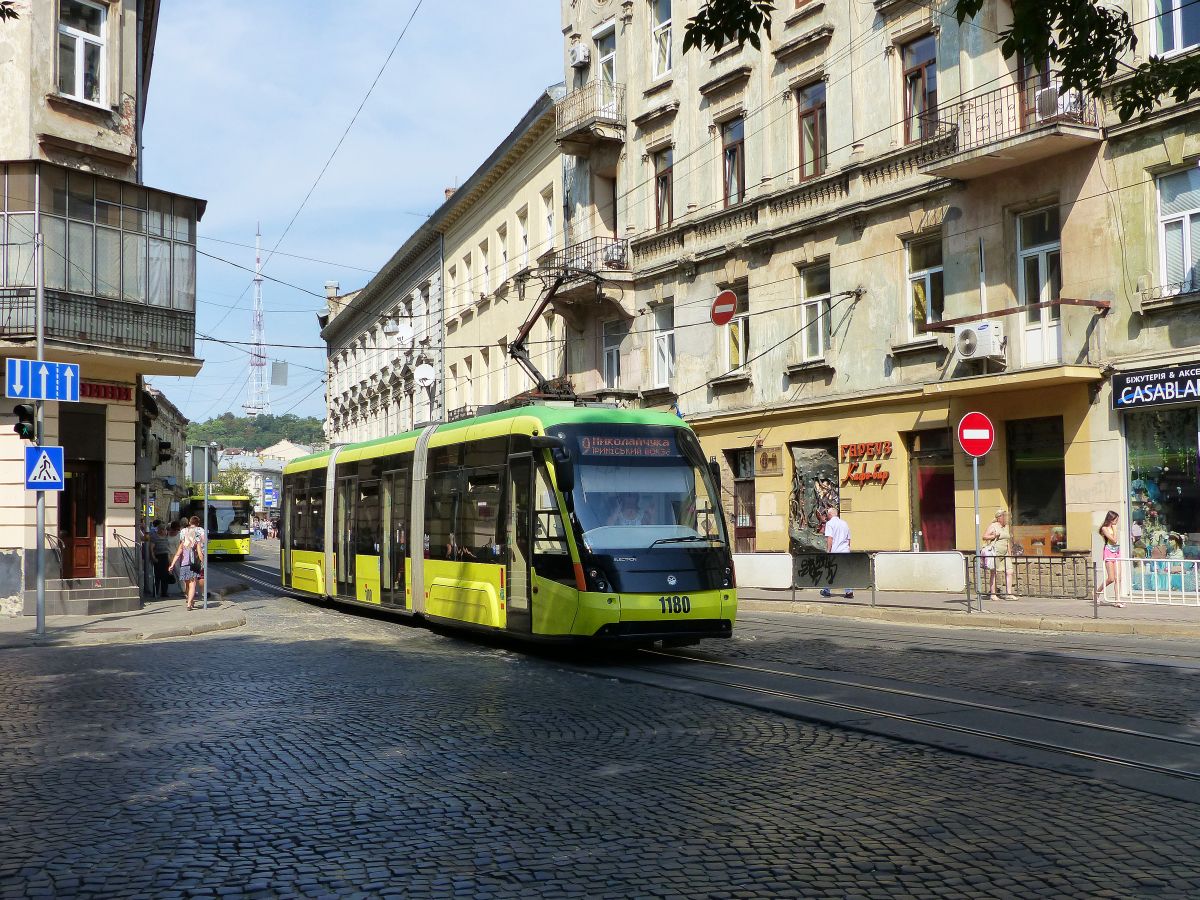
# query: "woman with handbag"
998,541
1112,559
190,560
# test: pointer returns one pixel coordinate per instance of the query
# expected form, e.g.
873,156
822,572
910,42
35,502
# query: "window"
1040,269
486,268
548,213
814,311
811,102
664,343
1037,475
465,286
1164,488
927,298
452,285
733,143
660,36
1177,25
737,343
663,188
523,236
614,333
502,251
1179,230
744,529
920,89
81,50
485,376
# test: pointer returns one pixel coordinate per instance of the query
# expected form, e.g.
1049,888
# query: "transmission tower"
258,395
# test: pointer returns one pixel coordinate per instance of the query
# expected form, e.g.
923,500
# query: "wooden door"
77,518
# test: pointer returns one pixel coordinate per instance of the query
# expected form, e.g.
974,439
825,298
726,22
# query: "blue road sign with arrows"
44,469
36,379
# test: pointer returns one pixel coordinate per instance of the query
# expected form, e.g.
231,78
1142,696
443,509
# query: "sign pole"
204,524
39,438
978,544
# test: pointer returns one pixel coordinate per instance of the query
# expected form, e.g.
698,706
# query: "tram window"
316,520
480,513
481,454
443,498
550,537
366,519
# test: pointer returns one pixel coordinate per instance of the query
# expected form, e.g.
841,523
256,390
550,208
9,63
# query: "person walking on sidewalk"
1111,555
190,559
837,540
997,543
162,558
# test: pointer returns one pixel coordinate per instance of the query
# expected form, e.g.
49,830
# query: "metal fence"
594,255
597,102
1012,110
1048,577
1168,582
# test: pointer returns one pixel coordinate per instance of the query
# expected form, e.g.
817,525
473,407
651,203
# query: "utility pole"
39,439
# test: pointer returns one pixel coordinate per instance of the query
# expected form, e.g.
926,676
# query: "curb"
226,622
974,620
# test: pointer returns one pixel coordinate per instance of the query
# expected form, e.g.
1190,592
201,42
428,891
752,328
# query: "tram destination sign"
1156,387
626,446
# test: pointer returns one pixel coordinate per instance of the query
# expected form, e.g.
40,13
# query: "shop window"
1164,483
744,529
1037,480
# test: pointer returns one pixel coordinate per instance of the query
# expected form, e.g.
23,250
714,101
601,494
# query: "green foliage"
256,433
233,480
7,11
1082,40
721,22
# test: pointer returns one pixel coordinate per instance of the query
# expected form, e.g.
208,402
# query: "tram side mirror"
564,466
714,469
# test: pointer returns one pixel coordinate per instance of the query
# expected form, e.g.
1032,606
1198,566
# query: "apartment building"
120,288
428,336
912,227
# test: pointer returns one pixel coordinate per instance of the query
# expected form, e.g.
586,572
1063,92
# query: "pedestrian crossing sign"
44,469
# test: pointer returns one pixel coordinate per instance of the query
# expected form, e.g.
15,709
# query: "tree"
1082,40
233,480
7,11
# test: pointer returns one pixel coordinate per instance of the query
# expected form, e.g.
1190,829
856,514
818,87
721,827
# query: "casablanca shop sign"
1156,387
864,463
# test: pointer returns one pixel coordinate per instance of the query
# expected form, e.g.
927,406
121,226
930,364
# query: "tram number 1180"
676,604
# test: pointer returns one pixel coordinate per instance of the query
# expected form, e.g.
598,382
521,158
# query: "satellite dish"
425,375
404,335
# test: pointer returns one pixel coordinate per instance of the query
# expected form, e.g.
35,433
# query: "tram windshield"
226,518
637,487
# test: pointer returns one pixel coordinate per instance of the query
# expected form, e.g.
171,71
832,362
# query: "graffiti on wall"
814,490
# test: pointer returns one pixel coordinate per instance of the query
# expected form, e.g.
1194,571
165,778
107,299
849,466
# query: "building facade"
911,227
119,271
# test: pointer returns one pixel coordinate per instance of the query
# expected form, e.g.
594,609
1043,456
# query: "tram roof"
491,425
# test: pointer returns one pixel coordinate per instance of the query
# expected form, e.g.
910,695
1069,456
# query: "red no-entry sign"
723,308
976,434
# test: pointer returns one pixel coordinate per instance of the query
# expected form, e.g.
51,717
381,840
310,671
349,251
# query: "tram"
228,526
553,522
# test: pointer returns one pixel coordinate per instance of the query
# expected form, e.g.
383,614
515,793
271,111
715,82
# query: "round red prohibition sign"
723,308
976,434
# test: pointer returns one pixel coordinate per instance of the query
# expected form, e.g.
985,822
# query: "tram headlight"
597,579
728,580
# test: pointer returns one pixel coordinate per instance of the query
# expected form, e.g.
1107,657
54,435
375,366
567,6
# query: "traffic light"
25,428
164,452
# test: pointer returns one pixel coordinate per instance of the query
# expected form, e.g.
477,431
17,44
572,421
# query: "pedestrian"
189,560
997,543
162,558
1111,554
837,540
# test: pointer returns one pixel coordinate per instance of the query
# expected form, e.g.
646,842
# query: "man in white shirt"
837,540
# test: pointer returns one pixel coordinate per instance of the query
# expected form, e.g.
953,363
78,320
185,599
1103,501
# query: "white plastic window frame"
1042,252
664,336
81,38
611,355
915,275
661,37
1174,288
1176,14
814,313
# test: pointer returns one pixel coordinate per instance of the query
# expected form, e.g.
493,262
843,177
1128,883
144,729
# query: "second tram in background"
228,526
552,521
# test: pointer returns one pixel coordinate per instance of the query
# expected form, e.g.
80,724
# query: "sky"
247,102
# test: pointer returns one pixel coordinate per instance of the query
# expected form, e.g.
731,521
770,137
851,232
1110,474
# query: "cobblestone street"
318,753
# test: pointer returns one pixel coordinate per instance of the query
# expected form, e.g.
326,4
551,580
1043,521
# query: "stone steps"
85,597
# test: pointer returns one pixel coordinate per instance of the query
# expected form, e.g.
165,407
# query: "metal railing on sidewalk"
1167,582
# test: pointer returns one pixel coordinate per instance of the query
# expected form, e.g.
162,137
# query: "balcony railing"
1013,110
594,255
596,103
111,324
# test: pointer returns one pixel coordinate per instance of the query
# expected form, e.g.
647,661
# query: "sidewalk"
157,619
1032,614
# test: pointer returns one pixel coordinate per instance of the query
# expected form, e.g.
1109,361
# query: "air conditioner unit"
1051,103
580,55
979,340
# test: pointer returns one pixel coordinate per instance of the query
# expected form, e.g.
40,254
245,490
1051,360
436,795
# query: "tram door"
517,528
395,534
347,493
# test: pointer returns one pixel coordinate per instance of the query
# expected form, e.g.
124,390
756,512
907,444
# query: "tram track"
1145,756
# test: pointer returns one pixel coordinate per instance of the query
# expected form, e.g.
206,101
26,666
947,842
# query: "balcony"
605,258
591,116
99,324
1012,126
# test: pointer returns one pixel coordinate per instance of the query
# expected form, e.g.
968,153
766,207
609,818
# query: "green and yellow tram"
545,521
228,526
